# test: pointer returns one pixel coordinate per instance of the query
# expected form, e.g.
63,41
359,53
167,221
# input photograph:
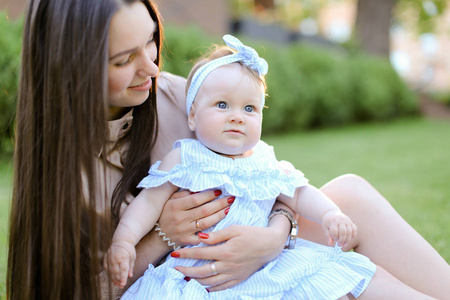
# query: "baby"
225,100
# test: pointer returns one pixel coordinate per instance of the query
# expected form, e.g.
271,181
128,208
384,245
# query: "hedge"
308,87
10,47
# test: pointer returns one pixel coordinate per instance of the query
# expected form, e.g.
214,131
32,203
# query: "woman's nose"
147,66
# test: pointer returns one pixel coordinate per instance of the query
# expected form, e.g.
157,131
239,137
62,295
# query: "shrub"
10,45
182,47
440,97
308,86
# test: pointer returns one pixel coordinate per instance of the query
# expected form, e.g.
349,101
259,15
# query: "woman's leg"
384,236
385,286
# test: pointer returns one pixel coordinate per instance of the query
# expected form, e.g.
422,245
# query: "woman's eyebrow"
131,50
123,53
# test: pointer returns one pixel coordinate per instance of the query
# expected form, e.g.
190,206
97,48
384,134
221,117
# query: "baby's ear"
191,119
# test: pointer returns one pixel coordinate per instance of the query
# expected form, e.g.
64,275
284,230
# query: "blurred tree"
267,4
374,19
425,13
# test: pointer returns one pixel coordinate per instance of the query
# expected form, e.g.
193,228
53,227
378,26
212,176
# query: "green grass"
408,161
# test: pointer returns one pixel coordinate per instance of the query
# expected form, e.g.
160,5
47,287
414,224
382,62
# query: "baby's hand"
338,228
119,262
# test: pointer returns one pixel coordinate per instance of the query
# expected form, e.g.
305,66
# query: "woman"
75,172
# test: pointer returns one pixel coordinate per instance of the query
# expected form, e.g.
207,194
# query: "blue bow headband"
245,54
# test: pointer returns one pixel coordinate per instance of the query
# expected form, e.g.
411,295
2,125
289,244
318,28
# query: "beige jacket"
171,104
172,126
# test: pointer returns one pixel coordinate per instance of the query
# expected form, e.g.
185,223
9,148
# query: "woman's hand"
178,221
185,214
244,251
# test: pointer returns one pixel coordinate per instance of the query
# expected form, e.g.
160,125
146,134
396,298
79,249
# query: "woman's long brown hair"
62,110
142,135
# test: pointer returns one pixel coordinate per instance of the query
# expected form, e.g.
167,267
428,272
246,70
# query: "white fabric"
309,271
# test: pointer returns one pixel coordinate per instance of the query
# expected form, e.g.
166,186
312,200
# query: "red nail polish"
217,193
187,278
227,210
175,254
231,200
203,235
207,290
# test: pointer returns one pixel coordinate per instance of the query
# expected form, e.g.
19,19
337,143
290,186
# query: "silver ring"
213,268
197,225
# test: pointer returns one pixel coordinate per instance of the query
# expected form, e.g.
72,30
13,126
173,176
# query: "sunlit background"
331,66
412,34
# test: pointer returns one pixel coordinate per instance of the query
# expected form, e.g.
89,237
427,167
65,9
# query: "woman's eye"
222,105
249,108
124,63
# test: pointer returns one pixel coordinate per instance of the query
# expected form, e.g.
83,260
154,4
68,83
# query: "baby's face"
227,112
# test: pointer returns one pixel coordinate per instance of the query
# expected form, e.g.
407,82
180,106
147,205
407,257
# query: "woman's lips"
142,87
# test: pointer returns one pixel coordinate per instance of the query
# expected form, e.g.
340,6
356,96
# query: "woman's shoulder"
173,87
171,104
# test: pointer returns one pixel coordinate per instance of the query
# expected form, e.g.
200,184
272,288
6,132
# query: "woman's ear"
191,119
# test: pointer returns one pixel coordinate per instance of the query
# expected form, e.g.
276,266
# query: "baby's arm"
314,205
137,220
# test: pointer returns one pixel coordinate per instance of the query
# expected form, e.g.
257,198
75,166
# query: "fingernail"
175,254
227,210
202,235
192,193
217,192
207,290
231,199
187,278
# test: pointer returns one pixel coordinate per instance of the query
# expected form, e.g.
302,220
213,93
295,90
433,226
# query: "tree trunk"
267,4
373,22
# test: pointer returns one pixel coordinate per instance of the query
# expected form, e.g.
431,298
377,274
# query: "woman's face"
132,55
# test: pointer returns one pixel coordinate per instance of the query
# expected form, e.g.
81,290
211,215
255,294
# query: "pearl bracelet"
165,238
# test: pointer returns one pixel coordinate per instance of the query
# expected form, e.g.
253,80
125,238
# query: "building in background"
420,59
213,16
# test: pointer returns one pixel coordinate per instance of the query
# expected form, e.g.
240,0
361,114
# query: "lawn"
408,161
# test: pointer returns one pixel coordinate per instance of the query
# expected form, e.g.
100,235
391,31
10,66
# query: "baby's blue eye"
249,108
221,105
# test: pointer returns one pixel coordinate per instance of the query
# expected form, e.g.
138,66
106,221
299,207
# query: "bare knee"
346,182
349,190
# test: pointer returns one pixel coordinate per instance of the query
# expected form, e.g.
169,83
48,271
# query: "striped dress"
309,271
